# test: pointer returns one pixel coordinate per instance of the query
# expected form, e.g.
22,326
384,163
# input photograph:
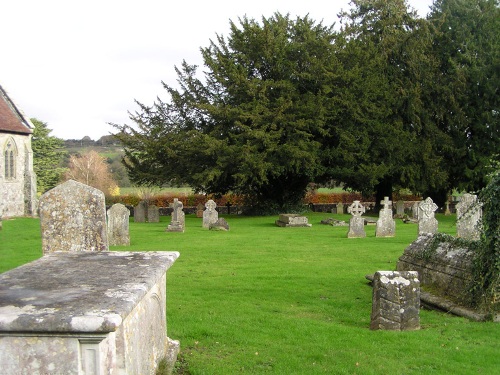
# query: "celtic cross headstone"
427,223
356,223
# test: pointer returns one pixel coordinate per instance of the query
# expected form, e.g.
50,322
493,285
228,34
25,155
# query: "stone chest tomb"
85,313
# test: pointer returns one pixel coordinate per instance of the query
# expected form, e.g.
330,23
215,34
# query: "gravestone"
220,224
153,214
427,223
356,223
140,212
447,210
414,210
73,218
469,215
340,208
199,210
386,226
177,222
118,225
400,209
292,220
210,215
396,301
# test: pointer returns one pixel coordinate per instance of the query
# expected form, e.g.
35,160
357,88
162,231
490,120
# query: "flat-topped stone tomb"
292,220
85,313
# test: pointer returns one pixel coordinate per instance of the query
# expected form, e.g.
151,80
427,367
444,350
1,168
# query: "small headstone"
220,224
469,215
356,223
118,225
140,212
153,214
178,220
396,301
292,220
400,208
414,210
427,223
199,210
340,208
210,215
73,218
386,226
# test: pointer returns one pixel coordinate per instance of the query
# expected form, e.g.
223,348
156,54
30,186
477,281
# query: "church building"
17,179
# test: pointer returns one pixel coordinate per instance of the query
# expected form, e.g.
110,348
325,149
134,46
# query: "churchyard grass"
261,299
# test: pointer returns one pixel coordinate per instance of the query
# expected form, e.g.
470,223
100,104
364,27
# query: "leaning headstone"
396,301
199,210
140,212
178,218
469,215
400,208
356,223
210,215
153,214
292,220
340,208
386,226
118,225
220,224
73,218
427,223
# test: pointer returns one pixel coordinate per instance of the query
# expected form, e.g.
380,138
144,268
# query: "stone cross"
386,226
356,223
387,203
210,215
426,221
178,222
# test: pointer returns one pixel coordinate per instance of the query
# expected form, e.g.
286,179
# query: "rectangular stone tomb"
85,313
292,220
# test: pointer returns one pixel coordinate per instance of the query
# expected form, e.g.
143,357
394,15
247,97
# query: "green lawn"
261,299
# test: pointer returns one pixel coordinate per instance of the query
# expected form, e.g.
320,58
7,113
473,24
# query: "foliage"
48,155
91,169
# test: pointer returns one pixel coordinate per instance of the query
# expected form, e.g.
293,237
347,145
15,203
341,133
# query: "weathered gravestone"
292,220
220,224
396,301
427,223
199,210
469,215
153,214
414,210
177,222
210,215
356,223
73,218
340,208
386,226
400,209
118,225
140,212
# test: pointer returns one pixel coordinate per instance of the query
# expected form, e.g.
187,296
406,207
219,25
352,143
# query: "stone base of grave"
175,228
292,220
220,224
85,313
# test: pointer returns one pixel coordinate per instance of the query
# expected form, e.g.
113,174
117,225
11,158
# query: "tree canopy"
385,102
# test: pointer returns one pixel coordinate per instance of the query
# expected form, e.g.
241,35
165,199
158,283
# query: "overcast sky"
78,65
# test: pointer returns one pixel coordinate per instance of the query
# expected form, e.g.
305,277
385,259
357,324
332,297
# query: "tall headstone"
340,208
210,215
153,214
140,212
177,222
73,218
386,226
427,223
469,215
356,223
400,208
118,225
396,301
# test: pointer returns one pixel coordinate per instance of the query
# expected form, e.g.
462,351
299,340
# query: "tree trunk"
383,189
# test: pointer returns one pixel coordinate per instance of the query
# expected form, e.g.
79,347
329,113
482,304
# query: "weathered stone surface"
292,220
85,313
427,223
356,223
199,210
210,215
386,226
447,268
153,214
220,224
177,223
73,218
400,209
118,225
469,215
396,301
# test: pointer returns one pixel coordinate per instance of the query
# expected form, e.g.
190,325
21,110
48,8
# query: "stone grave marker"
220,224
177,222
292,220
340,208
118,225
199,210
400,208
469,215
210,215
396,301
427,223
386,226
414,210
356,223
153,214
140,212
73,218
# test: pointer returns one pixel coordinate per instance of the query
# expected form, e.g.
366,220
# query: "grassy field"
260,299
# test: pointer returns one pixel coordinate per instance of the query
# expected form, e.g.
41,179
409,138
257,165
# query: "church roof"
12,119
